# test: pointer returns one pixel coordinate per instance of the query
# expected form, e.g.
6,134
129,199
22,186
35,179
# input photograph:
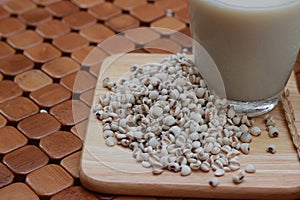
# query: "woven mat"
43,48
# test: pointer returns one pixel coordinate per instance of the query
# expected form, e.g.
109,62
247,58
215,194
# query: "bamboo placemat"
43,48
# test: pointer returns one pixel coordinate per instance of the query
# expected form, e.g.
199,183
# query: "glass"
254,44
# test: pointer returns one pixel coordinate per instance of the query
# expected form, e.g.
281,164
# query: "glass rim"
232,5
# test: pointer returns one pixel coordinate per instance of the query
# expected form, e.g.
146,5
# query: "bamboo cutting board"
113,169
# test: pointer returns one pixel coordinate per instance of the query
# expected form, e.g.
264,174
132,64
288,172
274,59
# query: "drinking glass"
254,45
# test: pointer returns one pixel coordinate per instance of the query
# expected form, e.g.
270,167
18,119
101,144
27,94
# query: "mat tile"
50,95
142,36
60,67
18,7
105,11
18,191
5,50
94,70
18,108
15,64
96,33
147,13
183,15
6,176
70,42
70,112
87,97
163,45
87,3
49,180
117,44
39,126
80,129
79,20
60,144
173,5
52,29
182,38
42,53
3,13
3,121
25,159
25,40
44,2
79,82
129,4
71,163
122,23
168,25
75,192
35,16
89,56
11,139
10,26
7,94
32,80
62,8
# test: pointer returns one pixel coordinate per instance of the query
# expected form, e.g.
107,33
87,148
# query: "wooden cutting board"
113,169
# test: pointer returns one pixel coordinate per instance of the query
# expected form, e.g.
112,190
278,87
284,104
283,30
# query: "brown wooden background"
43,44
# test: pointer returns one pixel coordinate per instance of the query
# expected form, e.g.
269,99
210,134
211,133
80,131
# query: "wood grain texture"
49,180
114,170
18,191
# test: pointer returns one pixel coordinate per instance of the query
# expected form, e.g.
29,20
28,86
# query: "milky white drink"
254,43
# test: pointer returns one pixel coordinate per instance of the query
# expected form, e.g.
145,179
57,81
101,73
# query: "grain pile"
166,115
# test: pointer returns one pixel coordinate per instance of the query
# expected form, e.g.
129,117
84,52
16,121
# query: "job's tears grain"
166,115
